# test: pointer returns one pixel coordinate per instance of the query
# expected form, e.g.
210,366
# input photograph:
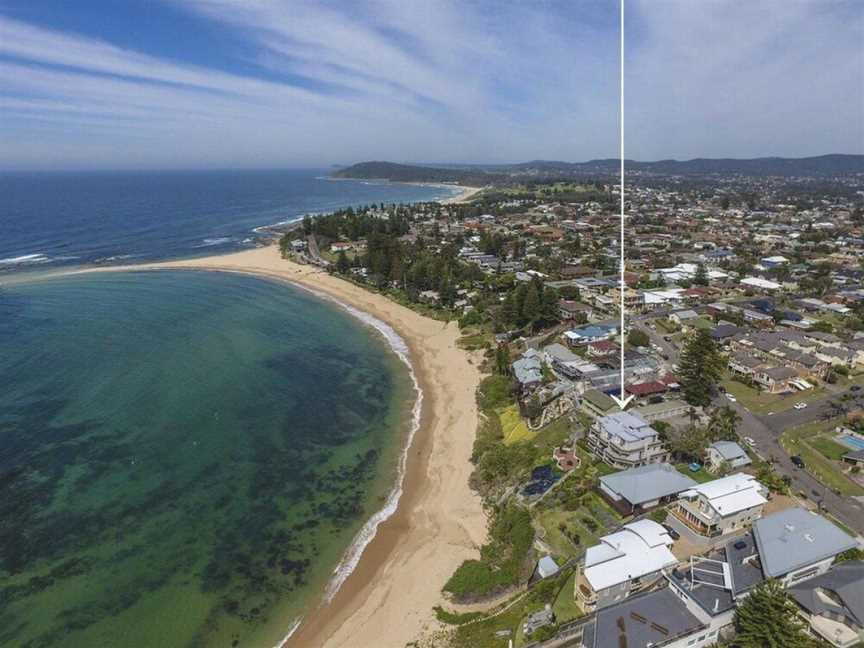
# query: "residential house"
623,563
833,604
625,440
562,360
597,404
795,544
650,620
721,506
572,311
636,490
728,454
775,380
588,334
668,409
712,584
528,370
684,317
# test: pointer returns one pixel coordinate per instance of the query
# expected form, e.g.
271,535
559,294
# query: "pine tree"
502,360
509,313
701,276
768,618
531,305
700,369
342,263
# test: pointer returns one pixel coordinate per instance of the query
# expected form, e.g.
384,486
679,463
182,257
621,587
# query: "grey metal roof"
845,580
744,568
650,619
561,353
857,455
627,426
744,563
528,370
598,399
728,450
794,538
647,483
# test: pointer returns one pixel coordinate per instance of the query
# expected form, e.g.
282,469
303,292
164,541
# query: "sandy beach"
388,599
465,196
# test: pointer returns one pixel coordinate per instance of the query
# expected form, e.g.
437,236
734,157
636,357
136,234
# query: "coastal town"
731,485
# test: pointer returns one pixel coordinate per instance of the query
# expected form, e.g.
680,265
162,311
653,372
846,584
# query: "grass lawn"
800,440
828,447
560,544
551,519
666,326
763,403
513,427
550,437
700,476
482,633
565,606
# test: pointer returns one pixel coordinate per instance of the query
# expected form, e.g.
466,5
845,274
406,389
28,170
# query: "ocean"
54,219
187,456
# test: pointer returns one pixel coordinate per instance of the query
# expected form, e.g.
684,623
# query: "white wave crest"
26,259
367,533
209,242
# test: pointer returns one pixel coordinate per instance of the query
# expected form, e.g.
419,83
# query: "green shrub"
502,559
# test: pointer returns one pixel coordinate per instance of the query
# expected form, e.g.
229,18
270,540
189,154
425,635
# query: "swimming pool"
852,442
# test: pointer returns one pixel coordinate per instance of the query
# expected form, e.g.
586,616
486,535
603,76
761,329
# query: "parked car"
750,441
731,398
798,461
800,406
672,532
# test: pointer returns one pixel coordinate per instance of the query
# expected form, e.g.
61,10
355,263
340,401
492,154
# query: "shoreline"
436,521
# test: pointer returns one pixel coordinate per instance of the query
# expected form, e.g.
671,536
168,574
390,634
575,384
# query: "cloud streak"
318,83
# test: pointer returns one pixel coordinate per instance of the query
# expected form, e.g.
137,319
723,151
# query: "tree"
723,425
768,618
701,276
700,368
342,263
502,360
531,305
638,338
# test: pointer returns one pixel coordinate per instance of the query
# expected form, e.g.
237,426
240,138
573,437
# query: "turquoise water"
185,456
853,442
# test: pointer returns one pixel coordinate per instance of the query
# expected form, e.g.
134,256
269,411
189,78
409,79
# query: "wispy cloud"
315,83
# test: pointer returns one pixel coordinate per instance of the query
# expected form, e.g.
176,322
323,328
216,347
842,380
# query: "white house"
624,562
721,506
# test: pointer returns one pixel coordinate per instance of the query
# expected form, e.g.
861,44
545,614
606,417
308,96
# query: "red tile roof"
647,388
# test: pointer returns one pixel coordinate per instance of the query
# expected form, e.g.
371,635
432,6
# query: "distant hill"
409,173
823,165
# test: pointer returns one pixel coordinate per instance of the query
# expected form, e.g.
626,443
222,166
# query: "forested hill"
480,175
408,173
834,164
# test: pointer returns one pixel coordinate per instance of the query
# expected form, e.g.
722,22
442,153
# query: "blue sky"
264,83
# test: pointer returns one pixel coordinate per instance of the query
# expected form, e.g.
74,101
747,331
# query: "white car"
800,406
749,441
731,397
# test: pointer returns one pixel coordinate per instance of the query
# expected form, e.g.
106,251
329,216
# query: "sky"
125,84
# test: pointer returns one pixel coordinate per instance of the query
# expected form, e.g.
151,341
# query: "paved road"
766,432
816,410
848,510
